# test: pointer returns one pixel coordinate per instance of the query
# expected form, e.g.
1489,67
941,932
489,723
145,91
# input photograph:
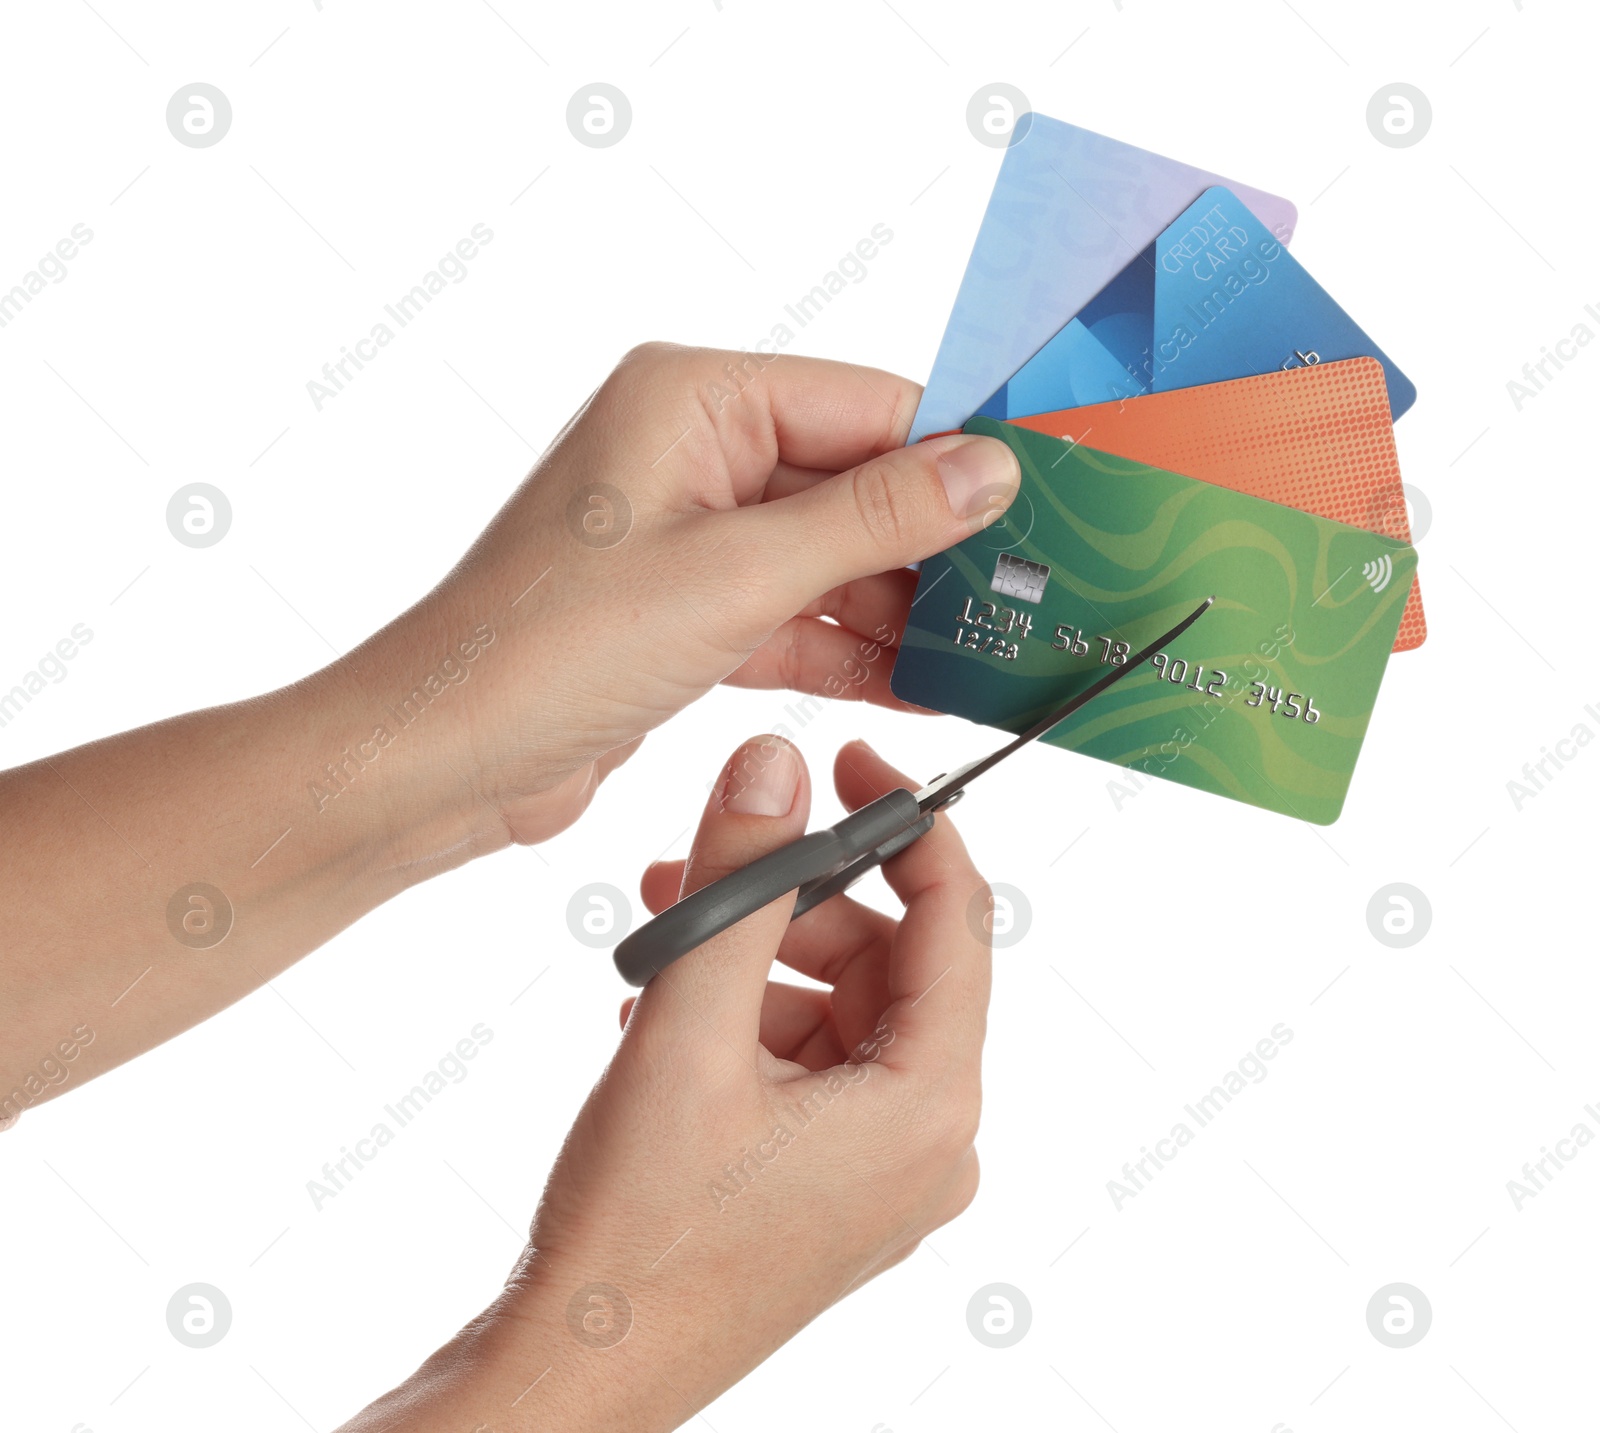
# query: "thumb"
896,508
760,802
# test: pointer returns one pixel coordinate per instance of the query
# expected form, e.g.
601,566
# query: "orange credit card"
1318,438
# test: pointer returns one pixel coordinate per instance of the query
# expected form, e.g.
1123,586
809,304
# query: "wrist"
519,1368
582,1353
400,772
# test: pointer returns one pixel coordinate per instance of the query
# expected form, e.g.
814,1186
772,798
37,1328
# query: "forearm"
558,1353
304,809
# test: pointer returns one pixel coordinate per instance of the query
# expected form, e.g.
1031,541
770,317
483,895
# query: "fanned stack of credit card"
1194,417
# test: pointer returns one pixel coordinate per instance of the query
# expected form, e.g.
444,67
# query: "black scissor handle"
818,865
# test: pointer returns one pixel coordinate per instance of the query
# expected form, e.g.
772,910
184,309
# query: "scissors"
824,863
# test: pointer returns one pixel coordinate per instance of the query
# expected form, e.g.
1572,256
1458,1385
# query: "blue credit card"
1069,209
1216,296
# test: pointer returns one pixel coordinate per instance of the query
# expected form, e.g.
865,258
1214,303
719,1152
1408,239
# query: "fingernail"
980,474
762,779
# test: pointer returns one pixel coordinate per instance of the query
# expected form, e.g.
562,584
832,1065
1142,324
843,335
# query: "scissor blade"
947,788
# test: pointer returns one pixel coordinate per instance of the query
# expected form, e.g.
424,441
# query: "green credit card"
1266,699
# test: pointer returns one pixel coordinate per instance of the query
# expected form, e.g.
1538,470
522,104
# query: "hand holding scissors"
824,863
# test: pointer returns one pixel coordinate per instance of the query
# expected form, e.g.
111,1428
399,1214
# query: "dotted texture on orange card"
1319,439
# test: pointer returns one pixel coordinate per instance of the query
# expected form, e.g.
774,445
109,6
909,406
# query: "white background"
767,139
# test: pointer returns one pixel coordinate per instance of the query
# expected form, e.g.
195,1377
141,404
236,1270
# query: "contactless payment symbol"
1017,577
1378,572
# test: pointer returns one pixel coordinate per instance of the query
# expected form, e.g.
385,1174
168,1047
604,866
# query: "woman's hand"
756,1150
702,519
706,517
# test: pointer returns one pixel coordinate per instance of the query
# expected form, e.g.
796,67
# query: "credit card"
1214,296
1266,699
1316,438
1069,208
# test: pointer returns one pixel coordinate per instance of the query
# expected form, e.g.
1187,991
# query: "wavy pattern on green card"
1304,606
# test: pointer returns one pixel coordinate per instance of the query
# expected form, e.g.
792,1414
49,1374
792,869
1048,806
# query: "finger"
712,996
810,413
878,516
844,661
861,776
874,606
710,424
797,1024
939,969
823,944
819,659
847,946
841,943
830,940
661,885
787,478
